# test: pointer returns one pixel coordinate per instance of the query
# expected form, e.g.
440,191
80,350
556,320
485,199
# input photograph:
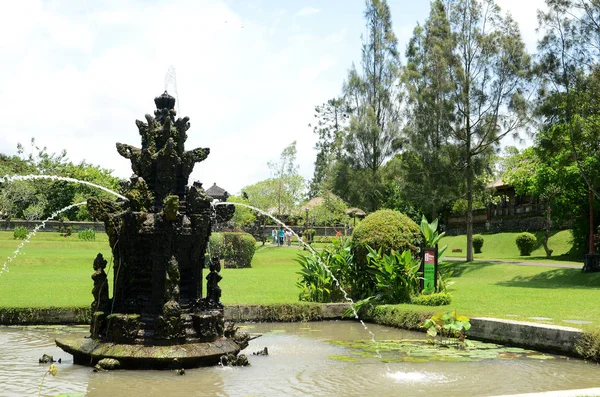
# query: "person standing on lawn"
281,236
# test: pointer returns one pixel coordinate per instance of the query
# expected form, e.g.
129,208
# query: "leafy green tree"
243,216
38,199
555,182
491,74
330,212
568,102
263,194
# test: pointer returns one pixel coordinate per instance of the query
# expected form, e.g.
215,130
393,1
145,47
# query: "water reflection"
299,364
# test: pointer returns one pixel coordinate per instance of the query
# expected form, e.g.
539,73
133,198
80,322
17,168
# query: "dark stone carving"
100,290
158,239
213,291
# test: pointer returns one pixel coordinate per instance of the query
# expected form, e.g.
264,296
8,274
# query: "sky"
77,74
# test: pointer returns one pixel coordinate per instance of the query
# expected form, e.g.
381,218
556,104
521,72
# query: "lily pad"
540,356
344,358
422,351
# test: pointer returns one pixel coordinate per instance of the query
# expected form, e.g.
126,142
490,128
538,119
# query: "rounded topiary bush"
238,249
477,244
525,243
386,230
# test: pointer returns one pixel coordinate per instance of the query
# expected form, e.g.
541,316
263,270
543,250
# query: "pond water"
305,359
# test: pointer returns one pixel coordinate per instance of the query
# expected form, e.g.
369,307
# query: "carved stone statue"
213,291
100,290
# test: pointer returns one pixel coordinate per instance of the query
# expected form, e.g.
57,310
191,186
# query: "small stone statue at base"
100,291
213,291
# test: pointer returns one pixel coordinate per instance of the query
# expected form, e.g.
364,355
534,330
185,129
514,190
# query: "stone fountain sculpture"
158,317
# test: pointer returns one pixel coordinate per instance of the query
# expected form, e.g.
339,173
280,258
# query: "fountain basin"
188,355
302,361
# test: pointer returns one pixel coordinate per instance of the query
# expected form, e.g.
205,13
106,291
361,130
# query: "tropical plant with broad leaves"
396,275
318,271
447,328
431,236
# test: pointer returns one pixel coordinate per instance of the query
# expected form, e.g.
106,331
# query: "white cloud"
78,78
307,11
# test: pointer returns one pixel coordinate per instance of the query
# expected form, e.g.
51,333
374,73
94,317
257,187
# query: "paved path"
539,264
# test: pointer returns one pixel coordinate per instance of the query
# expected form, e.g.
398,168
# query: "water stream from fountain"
8,178
309,248
33,233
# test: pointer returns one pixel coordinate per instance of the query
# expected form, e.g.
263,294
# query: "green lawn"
271,279
50,270
521,292
502,246
55,271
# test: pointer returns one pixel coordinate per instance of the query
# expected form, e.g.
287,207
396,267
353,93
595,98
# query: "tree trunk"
469,211
547,234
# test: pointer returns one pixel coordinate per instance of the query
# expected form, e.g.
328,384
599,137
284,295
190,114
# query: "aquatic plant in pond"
447,328
420,351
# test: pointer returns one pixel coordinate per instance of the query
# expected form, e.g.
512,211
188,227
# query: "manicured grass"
55,271
50,270
271,279
521,292
502,246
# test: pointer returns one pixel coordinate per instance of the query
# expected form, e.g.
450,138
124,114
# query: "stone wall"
51,226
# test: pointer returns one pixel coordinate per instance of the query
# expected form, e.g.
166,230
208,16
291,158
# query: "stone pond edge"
542,337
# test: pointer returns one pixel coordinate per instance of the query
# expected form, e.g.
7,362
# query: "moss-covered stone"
123,328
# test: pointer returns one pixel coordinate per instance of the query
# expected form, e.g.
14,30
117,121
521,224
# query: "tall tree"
429,83
568,102
374,97
289,183
491,74
331,118
570,71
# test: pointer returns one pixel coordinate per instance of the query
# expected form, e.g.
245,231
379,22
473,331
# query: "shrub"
87,234
315,281
238,249
323,239
384,230
216,244
19,233
525,243
396,275
438,299
477,244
